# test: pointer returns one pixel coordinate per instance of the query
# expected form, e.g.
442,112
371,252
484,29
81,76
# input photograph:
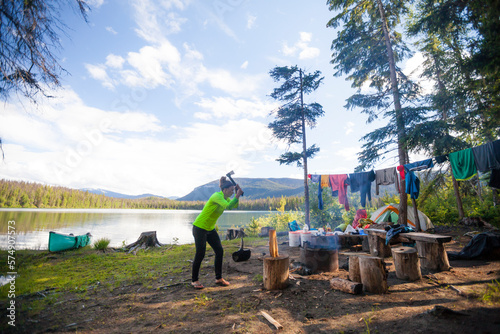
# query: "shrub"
102,244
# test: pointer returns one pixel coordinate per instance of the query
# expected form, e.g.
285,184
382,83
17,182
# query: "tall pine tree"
294,116
367,49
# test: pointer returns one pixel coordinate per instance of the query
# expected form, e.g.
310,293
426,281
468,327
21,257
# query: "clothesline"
465,164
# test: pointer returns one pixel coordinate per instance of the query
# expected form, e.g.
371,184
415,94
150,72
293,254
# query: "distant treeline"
18,194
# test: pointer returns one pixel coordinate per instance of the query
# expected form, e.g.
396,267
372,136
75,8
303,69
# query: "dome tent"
391,213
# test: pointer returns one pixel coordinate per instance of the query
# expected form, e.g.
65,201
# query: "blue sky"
163,96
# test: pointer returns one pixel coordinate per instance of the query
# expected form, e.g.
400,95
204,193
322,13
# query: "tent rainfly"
390,213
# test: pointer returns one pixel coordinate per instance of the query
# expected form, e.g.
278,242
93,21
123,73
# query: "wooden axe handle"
234,183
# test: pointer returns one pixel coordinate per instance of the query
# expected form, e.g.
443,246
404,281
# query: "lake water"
118,225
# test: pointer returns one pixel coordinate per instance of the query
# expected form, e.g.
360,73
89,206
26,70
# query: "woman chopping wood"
204,229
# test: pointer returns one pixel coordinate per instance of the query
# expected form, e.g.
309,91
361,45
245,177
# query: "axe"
231,179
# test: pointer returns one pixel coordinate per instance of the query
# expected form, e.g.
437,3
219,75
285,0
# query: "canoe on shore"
60,242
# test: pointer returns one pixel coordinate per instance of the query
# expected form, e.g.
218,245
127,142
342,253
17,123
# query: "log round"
406,263
373,274
320,259
432,256
276,272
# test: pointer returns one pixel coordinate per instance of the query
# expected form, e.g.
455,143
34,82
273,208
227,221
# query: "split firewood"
271,320
273,244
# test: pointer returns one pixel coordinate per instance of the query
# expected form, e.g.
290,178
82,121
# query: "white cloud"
244,65
95,3
348,153
77,146
349,127
111,30
150,63
301,47
251,21
114,61
413,69
221,107
154,22
99,73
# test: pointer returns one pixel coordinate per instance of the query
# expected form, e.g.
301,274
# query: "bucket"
294,238
305,237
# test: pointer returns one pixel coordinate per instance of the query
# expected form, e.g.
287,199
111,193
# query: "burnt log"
320,259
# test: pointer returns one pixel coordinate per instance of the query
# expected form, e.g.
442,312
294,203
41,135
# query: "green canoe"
60,242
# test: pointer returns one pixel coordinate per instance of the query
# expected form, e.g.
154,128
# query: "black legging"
201,237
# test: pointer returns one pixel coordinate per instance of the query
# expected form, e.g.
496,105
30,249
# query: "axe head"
230,173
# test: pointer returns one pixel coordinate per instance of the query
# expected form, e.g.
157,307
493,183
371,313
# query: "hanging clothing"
495,179
325,181
412,181
315,178
339,185
485,158
401,170
442,158
462,164
385,177
362,182
320,197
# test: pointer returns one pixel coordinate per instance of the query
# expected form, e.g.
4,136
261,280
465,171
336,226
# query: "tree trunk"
403,199
304,153
460,207
406,263
415,212
343,285
276,272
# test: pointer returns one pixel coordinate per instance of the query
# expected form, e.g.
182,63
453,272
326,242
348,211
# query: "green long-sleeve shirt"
213,209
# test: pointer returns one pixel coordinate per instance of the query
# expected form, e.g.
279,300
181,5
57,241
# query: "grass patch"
492,293
84,268
102,244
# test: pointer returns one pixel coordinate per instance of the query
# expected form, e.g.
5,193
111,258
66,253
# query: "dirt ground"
308,305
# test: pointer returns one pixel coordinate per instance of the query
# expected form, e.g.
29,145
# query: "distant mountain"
118,195
254,188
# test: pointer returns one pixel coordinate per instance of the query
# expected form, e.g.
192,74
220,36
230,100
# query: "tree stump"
406,263
344,285
320,259
378,247
432,256
146,240
373,274
276,272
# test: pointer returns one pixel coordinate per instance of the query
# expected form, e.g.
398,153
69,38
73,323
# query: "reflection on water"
118,225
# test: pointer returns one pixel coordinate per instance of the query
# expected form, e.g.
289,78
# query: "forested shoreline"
20,194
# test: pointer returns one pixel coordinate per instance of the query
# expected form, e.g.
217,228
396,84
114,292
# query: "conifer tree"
294,116
367,49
